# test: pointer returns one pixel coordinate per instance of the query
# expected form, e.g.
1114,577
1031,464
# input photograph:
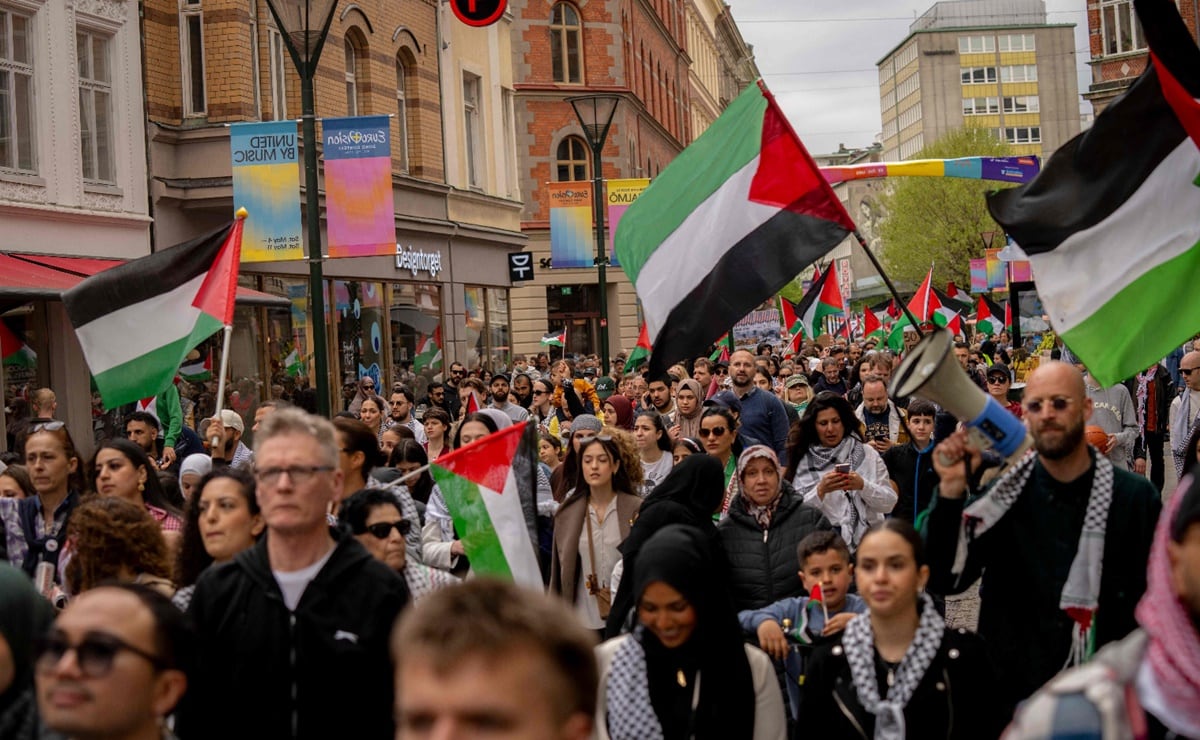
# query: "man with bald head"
1061,539
1184,416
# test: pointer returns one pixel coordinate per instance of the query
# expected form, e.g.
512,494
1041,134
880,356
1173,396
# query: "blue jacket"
764,417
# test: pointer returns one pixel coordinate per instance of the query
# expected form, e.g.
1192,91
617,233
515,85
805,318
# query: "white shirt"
1150,695
606,538
293,583
654,472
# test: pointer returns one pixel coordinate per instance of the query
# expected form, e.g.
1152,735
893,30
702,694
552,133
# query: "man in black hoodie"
294,632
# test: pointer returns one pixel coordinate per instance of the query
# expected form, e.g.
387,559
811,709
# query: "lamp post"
304,24
595,113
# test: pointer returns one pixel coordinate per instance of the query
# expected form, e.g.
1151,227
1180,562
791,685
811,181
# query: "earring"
141,486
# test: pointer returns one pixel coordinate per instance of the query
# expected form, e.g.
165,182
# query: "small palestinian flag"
14,352
556,338
721,352
871,325
989,318
924,306
482,484
958,294
293,364
640,351
473,404
823,299
197,369
429,352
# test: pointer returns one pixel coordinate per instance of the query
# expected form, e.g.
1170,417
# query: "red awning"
29,276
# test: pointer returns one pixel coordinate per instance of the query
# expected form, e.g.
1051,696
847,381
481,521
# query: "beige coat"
568,526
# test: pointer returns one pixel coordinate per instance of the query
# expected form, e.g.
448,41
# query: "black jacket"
955,698
913,473
323,671
1164,393
763,565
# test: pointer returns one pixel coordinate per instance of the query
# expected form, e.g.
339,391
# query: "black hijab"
684,558
24,617
688,495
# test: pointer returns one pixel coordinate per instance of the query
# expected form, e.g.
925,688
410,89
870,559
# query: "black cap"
999,368
1189,511
501,376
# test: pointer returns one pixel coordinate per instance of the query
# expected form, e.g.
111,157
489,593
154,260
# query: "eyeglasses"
1188,370
714,432
458,372
997,379
381,530
46,426
1058,403
94,654
298,474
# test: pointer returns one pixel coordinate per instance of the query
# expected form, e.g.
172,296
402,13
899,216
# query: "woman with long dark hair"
654,448
358,453
407,457
437,432
684,671
831,467
222,519
718,434
122,469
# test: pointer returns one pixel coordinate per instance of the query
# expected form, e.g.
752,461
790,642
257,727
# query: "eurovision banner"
572,231
359,209
979,275
997,270
266,182
1020,271
996,169
621,194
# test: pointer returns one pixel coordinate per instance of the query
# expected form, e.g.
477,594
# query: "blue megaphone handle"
998,424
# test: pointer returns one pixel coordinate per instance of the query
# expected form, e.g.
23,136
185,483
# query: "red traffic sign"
478,13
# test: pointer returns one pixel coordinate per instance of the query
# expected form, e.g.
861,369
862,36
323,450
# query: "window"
981,106
17,151
402,111
488,321
1017,42
1018,73
95,106
191,41
572,161
908,86
978,75
351,78
909,116
1120,29
473,136
1022,104
976,44
906,56
507,101
1021,134
277,61
566,44
254,68
912,146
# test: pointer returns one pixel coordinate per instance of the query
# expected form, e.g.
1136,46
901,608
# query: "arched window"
403,77
572,161
356,72
566,44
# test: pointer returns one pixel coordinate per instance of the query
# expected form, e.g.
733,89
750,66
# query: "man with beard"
763,415
500,389
1061,539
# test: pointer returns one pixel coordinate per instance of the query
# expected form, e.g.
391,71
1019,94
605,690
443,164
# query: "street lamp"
304,24
595,113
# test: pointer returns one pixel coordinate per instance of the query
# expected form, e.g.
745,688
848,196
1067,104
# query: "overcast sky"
819,59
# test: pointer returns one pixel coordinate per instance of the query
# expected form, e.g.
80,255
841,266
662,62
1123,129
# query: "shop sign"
520,266
415,261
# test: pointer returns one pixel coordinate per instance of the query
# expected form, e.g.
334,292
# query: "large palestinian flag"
1110,225
137,321
481,484
729,223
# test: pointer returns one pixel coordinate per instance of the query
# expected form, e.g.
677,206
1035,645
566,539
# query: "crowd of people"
757,546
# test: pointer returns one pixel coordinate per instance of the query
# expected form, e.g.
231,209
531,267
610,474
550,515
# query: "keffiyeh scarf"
1081,593
630,715
859,644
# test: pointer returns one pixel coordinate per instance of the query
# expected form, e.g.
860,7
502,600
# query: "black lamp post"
595,113
304,24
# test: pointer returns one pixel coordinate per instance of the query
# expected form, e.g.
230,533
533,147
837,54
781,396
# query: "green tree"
939,219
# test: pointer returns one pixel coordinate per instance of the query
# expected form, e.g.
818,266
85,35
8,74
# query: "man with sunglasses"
401,404
295,631
1185,410
452,403
113,665
1061,539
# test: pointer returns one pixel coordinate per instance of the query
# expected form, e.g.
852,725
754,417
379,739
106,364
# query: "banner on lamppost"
997,270
266,182
621,194
359,212
979,275
572,228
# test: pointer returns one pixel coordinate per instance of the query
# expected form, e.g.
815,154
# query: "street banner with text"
266,182
621,193
571,225
358,186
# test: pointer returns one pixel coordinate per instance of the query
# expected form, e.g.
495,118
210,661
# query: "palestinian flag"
989,318
293,364
481,484
137,321
792,328
556,338
1008,320
14,352
958,294
924,306
1110,224
198,369
722,349
429,352
955,325
473,404
640,351
729,223
871,325
823,299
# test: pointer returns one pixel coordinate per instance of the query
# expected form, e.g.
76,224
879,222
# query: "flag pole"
216,438
888,281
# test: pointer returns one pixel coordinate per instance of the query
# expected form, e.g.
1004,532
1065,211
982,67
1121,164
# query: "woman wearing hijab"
690,494
896,671
689,407
765,523
831,467
684,671
621,415
24,617
363,390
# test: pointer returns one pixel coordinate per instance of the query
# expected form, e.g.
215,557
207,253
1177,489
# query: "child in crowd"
910,466
825,569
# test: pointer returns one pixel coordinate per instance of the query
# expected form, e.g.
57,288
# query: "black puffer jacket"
763,565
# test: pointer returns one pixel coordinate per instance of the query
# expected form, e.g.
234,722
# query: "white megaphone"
931,371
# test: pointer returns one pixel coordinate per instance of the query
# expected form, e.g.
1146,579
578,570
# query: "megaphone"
931,371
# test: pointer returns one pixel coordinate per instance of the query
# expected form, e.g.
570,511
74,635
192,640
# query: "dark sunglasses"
1188,370
94,654
381,530
714,432
998,379
1058,403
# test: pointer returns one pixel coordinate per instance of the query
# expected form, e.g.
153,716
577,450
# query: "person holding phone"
836,471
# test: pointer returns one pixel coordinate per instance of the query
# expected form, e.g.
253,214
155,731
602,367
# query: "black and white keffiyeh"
629,714
859,644
1081,593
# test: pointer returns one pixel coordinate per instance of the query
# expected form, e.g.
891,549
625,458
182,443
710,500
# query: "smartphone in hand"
842,468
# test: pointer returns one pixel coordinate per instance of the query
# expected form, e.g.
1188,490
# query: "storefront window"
359,322
415,313
17,341
499,351
487,328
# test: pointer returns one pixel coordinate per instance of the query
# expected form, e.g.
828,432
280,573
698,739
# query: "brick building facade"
1118,47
